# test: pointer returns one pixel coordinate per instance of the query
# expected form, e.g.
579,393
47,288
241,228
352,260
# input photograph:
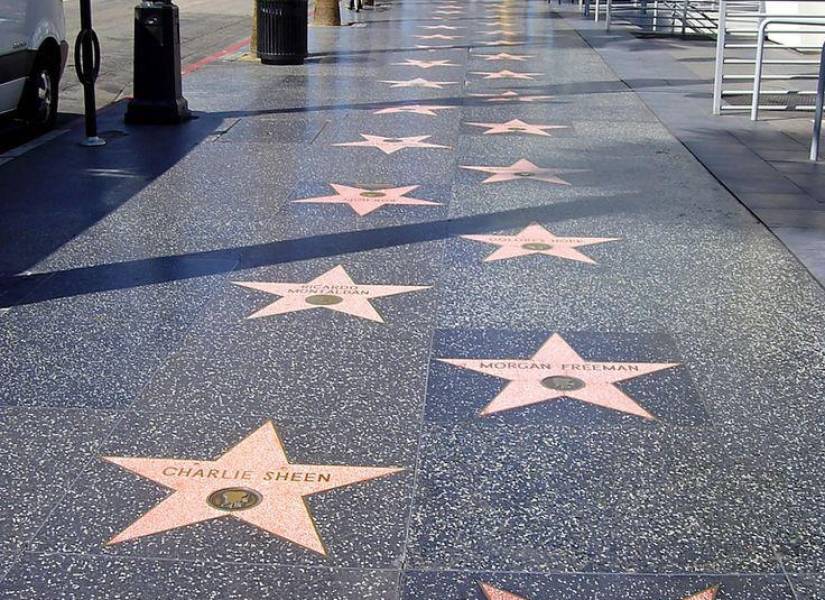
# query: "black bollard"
87,67
158,97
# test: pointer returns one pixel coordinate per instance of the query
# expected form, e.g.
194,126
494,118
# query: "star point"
419,109
425,64
523,169
363,201
510,96
493,593
392,145
333,290
505,74
556,371
418,82
253,482
438,36
516,126
535,239
507,56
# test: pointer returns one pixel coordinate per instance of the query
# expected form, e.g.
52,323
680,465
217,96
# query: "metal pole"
87,66
820,99
720,58
757,73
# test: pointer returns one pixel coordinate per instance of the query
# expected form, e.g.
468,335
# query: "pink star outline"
366,200
523,169
535,239
333,290
556,371
392,145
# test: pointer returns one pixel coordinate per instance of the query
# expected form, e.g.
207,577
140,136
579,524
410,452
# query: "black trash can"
282,31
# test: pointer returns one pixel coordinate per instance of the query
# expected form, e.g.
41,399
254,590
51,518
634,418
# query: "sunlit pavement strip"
302,347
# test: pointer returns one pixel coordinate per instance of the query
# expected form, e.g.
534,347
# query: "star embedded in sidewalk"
418,82
450,27
499,43
392,145
438,36
366,200
426,64
510,96
516,126
447,12
493,593
557,371
253,482
505,74
535,239
506,56
333,290
499,32
419,109
708,594
523,169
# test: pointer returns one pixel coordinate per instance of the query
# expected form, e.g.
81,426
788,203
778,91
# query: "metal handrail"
820,100
760,53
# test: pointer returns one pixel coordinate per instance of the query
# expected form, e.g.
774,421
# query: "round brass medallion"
563,383
323,299
537,246
372,194
234,498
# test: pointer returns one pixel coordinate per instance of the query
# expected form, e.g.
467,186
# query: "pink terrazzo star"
366,200
523,169
438,36
418,82
253,482
557,371
392,145
426,64
516,126
419,109
449,27
499,43
334,290
535,239
505,32
505,74
708,594
511,96
493,593
507,56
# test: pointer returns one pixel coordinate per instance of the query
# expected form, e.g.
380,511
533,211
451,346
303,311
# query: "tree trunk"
327,13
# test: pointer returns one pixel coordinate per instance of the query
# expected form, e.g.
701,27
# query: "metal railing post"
608,14
87,67
757,71
820,100
720,58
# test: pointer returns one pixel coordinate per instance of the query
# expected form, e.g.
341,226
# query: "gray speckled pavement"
426,318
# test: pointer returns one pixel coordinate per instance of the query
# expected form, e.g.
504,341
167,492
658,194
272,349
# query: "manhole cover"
563,383
235,498
323,299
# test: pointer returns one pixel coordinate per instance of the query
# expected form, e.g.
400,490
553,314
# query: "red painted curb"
213,57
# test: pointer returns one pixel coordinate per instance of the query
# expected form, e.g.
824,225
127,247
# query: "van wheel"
39,103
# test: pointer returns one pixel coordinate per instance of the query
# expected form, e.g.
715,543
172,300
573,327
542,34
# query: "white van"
33,52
